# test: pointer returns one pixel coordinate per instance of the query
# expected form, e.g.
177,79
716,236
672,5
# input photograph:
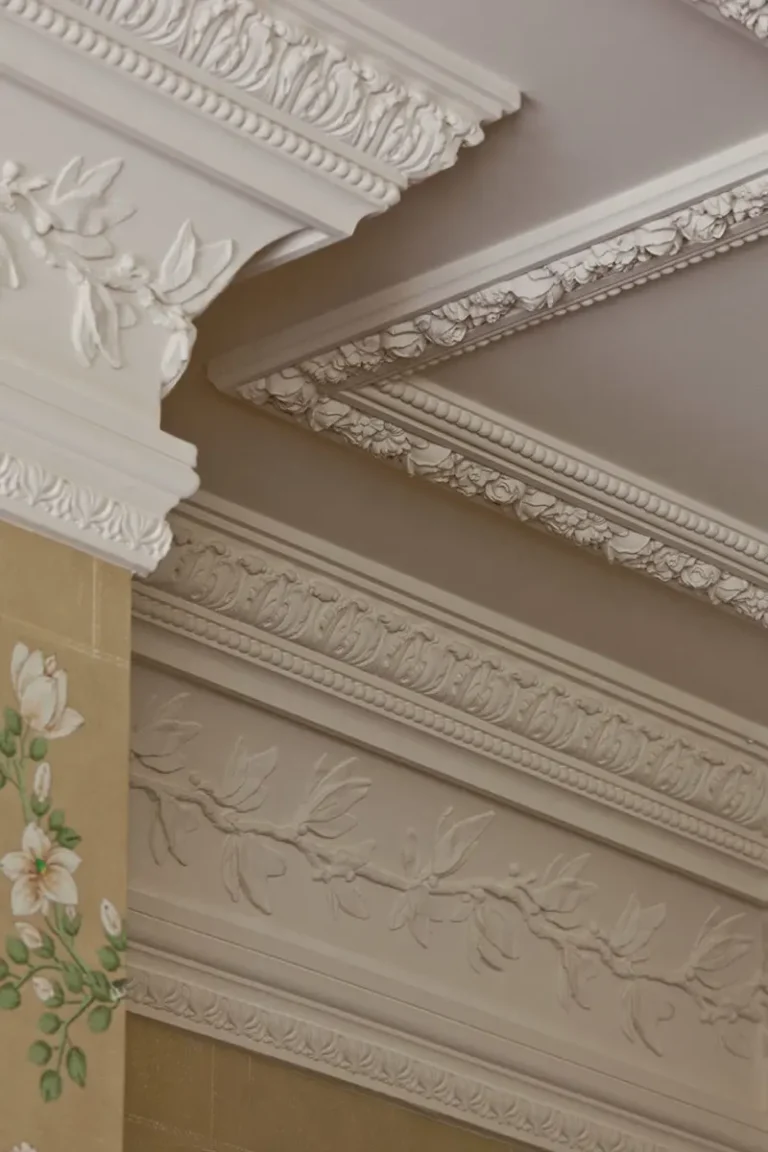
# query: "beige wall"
186,1092
76,610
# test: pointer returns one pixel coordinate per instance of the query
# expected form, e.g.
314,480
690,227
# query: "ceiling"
665,381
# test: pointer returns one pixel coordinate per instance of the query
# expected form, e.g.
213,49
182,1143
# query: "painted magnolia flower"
41,689
41,873
44,990
41,785
29,935
23,1147
110,918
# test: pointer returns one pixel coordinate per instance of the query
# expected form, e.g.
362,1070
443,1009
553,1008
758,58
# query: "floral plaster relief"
276,825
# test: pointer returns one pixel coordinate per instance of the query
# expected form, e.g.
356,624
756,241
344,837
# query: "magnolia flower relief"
43,957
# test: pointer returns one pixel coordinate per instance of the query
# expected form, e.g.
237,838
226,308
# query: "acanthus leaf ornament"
67,222
431,885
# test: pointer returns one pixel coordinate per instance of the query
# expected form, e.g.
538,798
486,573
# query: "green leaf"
56,820
57,998
4,969
17,950
49,1023
40,1052
7,744
109,959
77,1066
38,748
9,996
40,807
99,1019
69,925
68,838
47,948
73,977
100,985
50,1085
3,778
119,942
13,721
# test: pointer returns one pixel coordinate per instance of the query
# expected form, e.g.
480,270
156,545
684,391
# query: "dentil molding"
128,200
630,240
447,440
626,763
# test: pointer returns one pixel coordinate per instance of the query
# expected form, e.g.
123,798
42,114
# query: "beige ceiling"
666,381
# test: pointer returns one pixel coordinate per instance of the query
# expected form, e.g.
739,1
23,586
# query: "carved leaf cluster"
67,221
751,14
255,589
288,394
293,71
506,304
432,887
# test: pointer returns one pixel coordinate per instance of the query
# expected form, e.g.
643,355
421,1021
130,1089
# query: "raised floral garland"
42,953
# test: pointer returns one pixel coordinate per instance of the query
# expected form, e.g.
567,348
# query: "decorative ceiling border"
687,550
627,241
233,582
388,1062
369,113
749,15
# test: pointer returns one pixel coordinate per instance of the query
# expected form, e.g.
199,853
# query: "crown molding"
750,16
334,85
546,1105
446,440
128,201
628,759
674,222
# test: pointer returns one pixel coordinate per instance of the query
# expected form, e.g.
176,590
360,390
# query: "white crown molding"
749,16
128,201
321,74
630,240
535,1107
628,759
447,440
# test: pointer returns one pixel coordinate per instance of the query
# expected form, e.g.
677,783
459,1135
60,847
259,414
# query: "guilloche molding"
630,240
627,758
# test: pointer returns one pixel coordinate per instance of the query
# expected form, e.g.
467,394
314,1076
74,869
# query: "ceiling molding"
749,16
674,222
325,74
446,440
641,764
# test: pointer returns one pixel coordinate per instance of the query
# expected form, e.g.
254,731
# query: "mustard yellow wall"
186,1092
76,610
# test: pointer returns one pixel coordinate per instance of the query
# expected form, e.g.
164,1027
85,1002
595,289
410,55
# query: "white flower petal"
110,918
43,988
35,842
15,865
26,898
69,723
19,657
30,670
29,934
57,884
38,702
41,784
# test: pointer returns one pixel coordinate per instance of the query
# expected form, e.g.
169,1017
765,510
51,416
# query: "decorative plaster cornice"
425,454
369,644
382,1061
619,244
397,114
751,15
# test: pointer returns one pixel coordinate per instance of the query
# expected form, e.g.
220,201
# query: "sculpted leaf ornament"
42,953
431,886
66,221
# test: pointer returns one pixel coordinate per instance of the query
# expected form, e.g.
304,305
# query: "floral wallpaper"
42,958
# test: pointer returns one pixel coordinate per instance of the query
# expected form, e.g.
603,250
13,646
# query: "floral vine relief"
431,884
67,221
42,955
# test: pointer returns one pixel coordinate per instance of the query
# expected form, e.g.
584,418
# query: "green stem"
33,972
60,936
65,1031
